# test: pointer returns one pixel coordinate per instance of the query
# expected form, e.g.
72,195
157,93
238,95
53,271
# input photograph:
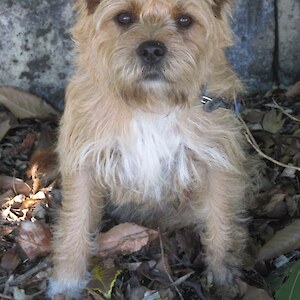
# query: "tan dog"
134,131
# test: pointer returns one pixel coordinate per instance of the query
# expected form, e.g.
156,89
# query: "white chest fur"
156,155
152,159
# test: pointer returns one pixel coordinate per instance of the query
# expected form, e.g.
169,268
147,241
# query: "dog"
134,134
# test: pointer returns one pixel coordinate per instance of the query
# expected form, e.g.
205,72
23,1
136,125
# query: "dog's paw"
223,285
227,292
58,290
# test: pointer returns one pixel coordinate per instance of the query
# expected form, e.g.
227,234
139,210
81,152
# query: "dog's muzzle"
151,52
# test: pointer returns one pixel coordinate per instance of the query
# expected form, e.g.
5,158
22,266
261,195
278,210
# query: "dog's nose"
152,52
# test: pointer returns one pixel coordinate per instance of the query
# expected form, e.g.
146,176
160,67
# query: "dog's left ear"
219,5
92,5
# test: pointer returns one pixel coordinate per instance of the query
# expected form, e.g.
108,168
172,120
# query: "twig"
33,296
20,279
166,269
285,113
7,285
183,278
14,183
2,296
251,140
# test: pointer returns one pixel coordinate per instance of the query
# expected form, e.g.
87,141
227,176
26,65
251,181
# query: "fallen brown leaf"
293,91
15,184
273,121
125,238
10,260
284,241
256,293
4,124
43,161
24,105
34,238
27,143
5,230
6,196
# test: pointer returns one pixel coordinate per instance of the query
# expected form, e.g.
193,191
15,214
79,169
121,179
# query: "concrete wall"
288,41
253,54
35,48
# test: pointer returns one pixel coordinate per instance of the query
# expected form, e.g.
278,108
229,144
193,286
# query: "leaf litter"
136,262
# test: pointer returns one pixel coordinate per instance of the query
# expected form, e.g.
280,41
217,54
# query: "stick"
285,113
251,140
20,279
2,296
166,269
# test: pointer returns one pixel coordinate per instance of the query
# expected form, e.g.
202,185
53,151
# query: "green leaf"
103,280
290,289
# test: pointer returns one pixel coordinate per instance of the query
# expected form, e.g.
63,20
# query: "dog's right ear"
219,5
92,5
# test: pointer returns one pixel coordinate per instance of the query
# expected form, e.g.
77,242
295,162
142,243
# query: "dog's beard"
141,84
153,74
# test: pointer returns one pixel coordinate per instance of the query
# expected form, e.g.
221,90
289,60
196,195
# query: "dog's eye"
124,19
184,21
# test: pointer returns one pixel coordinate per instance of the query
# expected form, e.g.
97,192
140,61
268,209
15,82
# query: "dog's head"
153,47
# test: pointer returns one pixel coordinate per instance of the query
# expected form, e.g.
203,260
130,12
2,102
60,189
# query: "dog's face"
157,47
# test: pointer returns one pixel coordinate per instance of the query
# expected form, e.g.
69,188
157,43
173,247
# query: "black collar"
211,104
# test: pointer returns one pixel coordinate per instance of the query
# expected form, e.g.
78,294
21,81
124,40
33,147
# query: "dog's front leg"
73,236
224,234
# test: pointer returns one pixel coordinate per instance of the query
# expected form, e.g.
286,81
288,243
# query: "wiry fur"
148,146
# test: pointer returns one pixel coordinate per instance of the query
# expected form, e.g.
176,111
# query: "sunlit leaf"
256,293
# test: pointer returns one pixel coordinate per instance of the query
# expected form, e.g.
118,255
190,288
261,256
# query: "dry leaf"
15,184
288,172
4,125
19,294
256,293
27,143
42,162
284,241
5,230
24,105
10,260
34,238
125,238
273,121
294,91
8,195
253,115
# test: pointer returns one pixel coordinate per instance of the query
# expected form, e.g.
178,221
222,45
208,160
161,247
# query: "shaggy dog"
134,134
